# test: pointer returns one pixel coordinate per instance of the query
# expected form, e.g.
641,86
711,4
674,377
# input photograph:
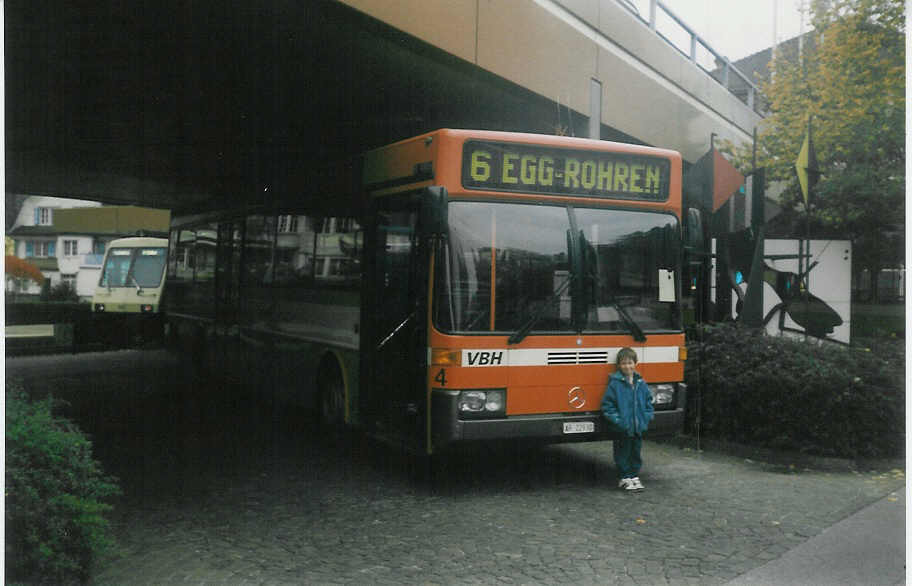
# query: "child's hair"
625,353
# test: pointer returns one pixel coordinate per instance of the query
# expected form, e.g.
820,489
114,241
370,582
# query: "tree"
19,271
850,81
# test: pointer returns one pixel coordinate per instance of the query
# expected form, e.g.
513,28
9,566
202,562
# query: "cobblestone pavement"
234,491
547,516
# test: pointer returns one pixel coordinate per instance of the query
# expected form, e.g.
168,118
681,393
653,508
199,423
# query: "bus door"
227,298
396,337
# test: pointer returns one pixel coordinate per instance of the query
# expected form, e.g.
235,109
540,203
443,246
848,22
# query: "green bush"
884,320
63,291
55,493
775,392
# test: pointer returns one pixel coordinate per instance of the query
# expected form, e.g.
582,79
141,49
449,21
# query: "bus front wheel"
332,395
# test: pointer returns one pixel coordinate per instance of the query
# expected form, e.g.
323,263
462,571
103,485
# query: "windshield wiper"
139,289
522,332
634,327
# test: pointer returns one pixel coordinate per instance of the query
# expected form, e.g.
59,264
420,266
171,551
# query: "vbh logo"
485,357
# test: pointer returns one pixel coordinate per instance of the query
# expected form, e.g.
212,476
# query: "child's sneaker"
637,484
626,484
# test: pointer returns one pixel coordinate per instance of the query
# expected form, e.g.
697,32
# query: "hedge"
55,496
775,392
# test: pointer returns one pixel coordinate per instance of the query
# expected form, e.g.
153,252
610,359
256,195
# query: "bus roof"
416,162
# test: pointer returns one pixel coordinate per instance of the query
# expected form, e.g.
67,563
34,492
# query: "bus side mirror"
433,214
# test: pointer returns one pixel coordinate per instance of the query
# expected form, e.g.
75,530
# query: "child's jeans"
627,456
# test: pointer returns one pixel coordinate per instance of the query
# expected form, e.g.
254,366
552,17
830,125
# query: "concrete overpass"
185,105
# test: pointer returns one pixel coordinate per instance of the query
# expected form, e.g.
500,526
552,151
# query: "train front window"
134,267
148,266
556,269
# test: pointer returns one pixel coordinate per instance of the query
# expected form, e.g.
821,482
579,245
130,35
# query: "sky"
737,28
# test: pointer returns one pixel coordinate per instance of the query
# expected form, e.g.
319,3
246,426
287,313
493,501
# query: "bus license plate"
579,426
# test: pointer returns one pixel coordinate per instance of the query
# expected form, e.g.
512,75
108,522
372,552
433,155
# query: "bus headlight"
485,403
662,396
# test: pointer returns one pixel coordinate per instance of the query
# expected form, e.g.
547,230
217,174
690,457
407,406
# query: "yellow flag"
806,165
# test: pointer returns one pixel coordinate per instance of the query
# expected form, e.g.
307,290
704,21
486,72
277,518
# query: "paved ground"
232,490
547,517
865,548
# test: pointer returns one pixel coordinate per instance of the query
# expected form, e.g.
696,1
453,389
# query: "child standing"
627,405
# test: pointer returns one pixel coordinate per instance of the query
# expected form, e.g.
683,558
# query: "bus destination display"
530,169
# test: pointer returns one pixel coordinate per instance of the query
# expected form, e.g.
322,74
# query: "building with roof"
66,238
755,67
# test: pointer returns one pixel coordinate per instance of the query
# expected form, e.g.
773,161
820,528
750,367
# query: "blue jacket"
627,409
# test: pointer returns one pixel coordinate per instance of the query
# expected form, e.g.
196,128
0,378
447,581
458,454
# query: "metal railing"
694,45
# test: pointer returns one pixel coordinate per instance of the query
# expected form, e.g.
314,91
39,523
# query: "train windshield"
134,267
519,268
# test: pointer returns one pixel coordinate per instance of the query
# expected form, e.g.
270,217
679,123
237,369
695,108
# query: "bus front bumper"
448,429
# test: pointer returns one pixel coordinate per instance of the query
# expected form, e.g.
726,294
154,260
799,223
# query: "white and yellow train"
128,298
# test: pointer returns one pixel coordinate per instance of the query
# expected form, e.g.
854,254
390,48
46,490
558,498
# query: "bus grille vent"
561,357
577,357
593,357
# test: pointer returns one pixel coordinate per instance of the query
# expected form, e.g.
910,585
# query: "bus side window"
227,263
337,252
294,250
185,242
204,253
258,242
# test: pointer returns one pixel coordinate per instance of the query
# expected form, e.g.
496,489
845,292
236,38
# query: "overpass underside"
187,105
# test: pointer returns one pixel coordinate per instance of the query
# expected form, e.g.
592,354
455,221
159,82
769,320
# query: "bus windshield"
624,280
133,267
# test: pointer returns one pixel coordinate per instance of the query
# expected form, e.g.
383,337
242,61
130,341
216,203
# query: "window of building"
346,225
39,248
335,225
69,279
43,217
288,223
70,247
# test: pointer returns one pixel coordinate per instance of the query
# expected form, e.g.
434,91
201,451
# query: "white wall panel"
524,43
446,24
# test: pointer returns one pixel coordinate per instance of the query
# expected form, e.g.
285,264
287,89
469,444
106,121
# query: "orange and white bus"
478,290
